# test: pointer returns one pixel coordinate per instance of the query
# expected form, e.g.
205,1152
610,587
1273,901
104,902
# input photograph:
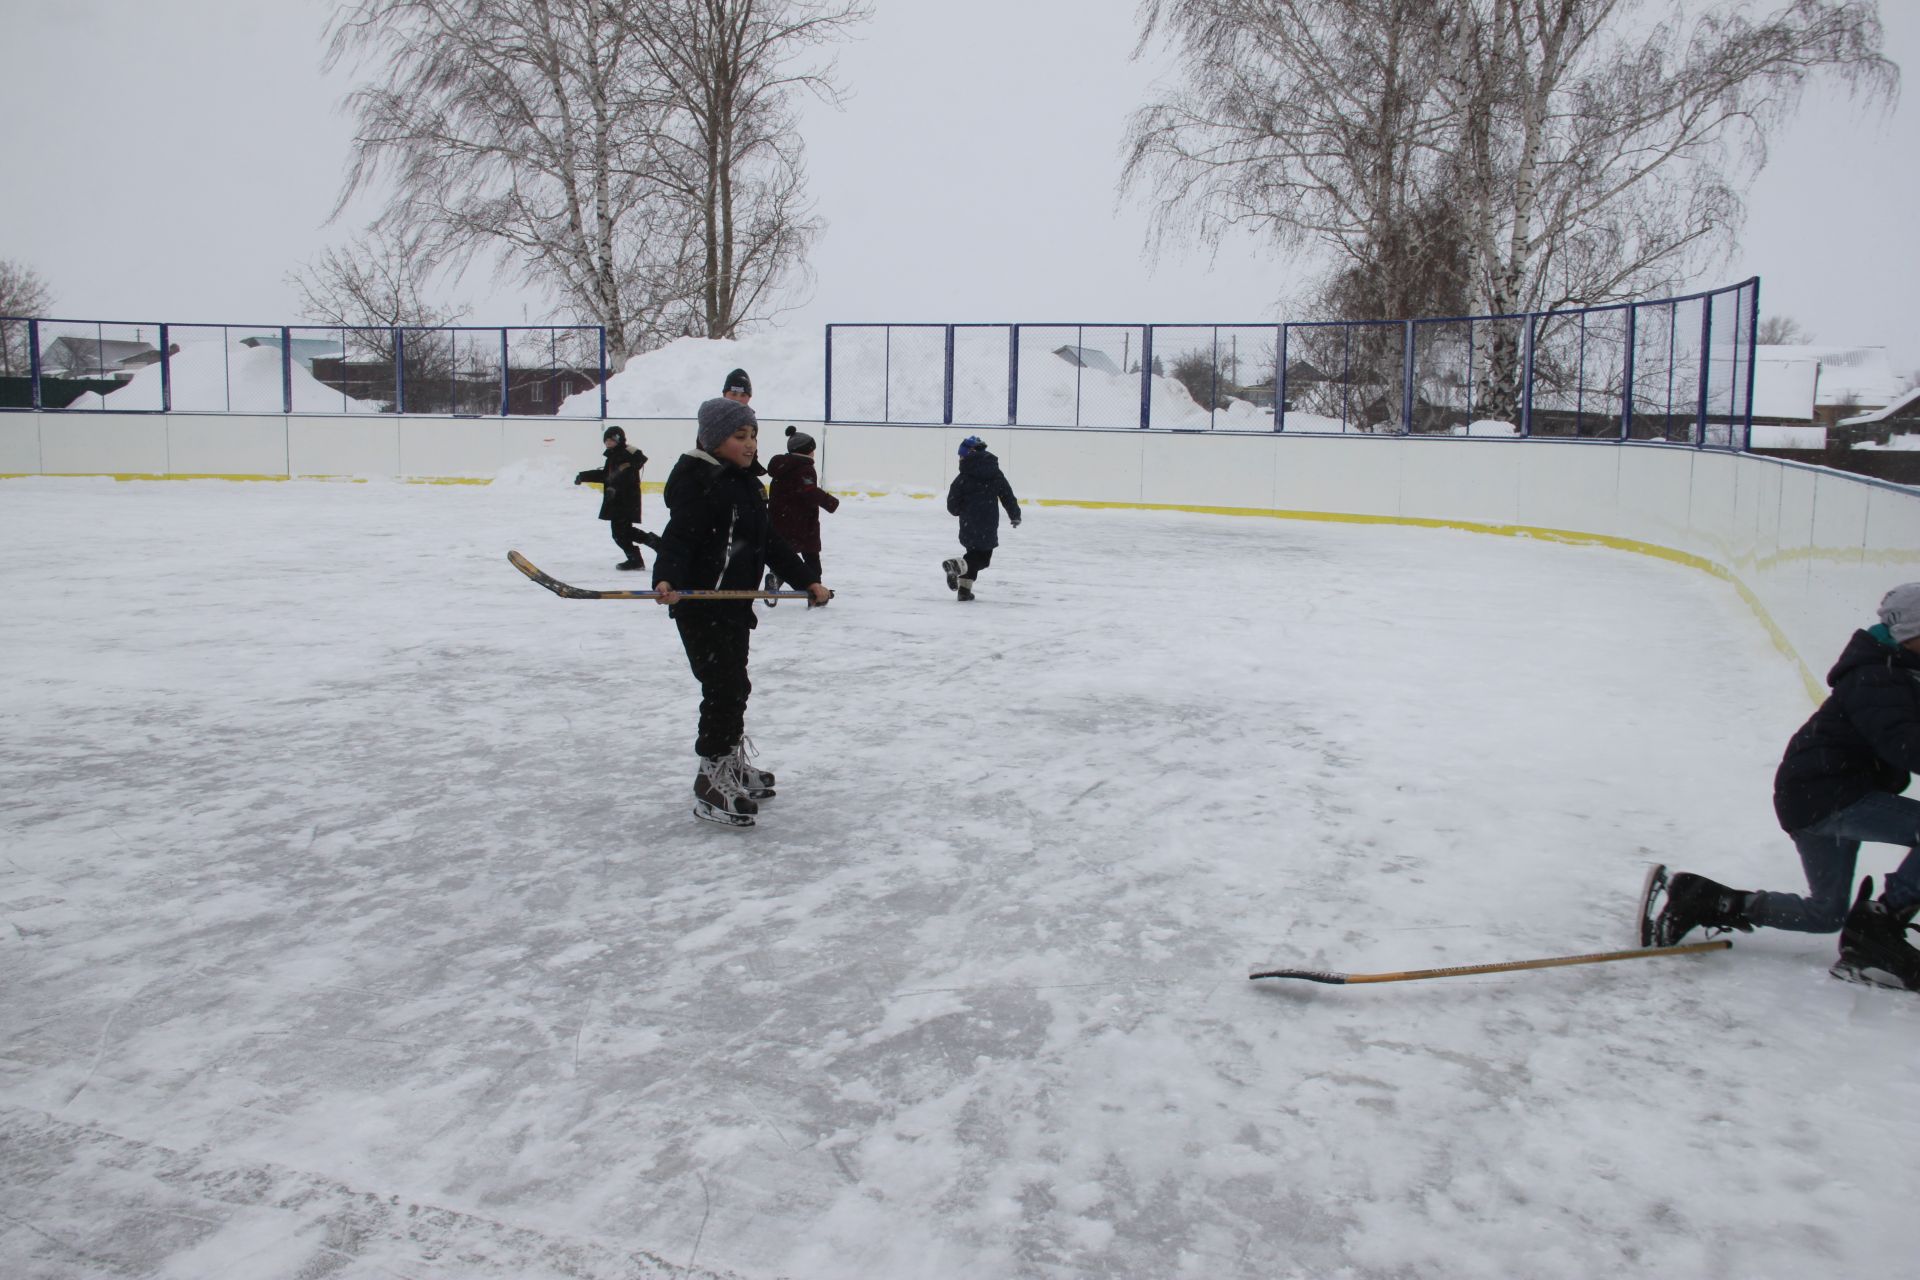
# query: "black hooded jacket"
976,496
620,496
718,536
1865,736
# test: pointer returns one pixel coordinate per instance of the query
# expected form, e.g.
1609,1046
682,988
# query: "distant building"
305,350
1808,385
76,357
1901,418
1088,358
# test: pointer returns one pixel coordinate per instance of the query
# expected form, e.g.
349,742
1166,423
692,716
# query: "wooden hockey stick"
1461,971
569,592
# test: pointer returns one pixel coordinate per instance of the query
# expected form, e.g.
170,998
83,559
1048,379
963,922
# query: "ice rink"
356,923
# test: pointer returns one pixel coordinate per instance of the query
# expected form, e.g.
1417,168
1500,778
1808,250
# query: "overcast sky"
174,161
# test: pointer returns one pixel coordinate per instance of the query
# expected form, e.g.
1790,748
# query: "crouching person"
1840,784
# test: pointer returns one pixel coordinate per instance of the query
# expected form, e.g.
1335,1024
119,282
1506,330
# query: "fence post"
286,368
1753,350
1526,379
1626,374
1146,376
33,359
886,377
1706,369
506,381
604,374
1213,392
166,374
1406,382
946,407
826,410
1079,367
1013,373
1280,384
399,370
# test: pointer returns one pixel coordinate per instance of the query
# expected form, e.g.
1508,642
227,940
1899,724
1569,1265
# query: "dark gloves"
581,478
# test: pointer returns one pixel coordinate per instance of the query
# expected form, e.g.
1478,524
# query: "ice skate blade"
707,813
1866,976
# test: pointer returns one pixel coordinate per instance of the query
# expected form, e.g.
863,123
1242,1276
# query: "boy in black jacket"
718,537
976,496
1839,784
620,495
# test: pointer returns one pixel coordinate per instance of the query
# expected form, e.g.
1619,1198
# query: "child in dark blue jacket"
1840,784
976,495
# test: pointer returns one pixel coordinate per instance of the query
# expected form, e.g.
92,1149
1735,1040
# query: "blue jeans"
1828,849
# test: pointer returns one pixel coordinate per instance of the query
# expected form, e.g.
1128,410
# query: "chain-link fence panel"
1729,364
916,356
982,374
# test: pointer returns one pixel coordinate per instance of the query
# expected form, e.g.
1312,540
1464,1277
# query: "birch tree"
1552,153
724,76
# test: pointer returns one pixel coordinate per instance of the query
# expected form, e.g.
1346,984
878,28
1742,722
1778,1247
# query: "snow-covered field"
356,925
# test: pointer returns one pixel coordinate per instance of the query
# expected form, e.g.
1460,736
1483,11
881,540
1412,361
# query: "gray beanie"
1900,611
720,418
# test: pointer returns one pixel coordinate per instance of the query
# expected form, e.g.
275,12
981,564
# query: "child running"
976,496
619,479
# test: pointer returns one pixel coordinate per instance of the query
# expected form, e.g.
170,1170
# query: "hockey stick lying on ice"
1461,971
560,588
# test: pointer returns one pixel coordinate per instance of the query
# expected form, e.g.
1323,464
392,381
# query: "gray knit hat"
720,418
1900,611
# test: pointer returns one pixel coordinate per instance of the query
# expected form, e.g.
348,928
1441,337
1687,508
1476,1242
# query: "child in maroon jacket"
797,501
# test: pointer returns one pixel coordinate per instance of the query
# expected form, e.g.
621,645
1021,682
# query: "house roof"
107,351
1087,358
1903,406
1848,375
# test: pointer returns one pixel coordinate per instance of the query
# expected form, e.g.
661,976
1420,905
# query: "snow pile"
671,382
214,377
1908,442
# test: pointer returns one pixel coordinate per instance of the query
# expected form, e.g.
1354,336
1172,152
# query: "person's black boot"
632,562
1695,902
1873,944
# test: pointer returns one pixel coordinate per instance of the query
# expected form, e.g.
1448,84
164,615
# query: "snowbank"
671,382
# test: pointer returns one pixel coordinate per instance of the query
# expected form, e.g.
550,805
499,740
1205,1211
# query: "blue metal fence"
1674,369
464,371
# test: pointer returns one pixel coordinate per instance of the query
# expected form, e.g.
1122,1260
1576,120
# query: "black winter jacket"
1865,736
620,499
976,496
718,536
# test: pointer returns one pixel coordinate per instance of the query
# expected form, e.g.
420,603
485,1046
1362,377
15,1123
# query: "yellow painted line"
1816,689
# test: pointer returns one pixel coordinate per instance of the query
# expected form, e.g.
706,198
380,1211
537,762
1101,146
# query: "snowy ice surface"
355,923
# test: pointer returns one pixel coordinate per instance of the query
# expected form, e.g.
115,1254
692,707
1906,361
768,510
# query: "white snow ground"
355,924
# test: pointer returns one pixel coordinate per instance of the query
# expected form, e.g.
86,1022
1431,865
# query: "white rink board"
1813,549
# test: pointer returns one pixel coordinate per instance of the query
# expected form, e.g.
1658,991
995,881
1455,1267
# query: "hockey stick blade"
1461,971
570,592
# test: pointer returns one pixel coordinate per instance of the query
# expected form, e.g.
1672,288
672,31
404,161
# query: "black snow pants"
715,636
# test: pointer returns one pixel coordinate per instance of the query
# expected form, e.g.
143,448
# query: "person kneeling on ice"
976,496
1839,784
620,495
718,537
797,501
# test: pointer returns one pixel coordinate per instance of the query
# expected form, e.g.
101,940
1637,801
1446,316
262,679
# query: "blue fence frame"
455,370
1678,370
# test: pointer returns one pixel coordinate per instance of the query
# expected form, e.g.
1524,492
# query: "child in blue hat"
976,496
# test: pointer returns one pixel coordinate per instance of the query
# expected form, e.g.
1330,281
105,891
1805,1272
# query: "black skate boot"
1874,947
651,541
965,587
1697,902
717,794
954,567
756,783
632,562
771,584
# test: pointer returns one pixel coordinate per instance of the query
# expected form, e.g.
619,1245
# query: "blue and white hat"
971,443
